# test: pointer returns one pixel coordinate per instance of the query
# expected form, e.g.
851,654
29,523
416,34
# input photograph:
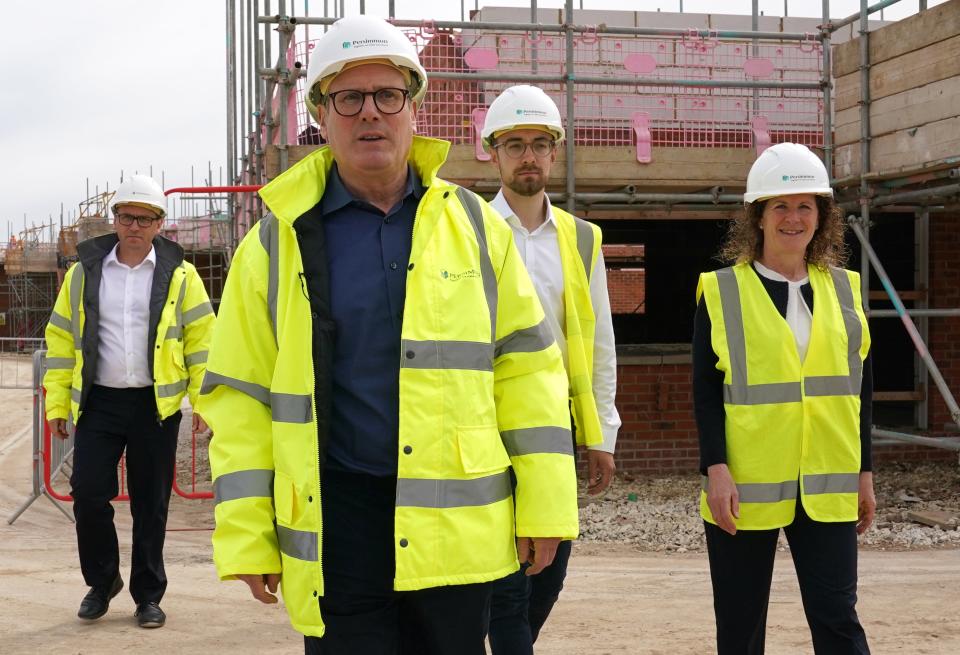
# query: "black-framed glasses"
143,221
515,148
388,100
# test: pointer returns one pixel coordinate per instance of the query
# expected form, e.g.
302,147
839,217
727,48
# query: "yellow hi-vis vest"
789,423
580,243
482,388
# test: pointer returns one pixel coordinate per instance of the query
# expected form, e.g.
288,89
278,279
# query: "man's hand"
866,502
260,584
58,428
539,551
722,497
600,470
199,425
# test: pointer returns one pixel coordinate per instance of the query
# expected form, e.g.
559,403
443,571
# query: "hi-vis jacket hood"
482,388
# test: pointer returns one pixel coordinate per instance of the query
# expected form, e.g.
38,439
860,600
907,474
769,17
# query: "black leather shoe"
149,615
97,601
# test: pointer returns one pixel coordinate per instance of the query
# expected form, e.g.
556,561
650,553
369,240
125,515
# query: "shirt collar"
502,207
336,196
111,258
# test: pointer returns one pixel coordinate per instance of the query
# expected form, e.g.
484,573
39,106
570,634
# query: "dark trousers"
114,419
361,611
521,604
825,558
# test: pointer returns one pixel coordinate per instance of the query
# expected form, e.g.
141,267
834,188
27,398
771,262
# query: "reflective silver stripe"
61,322
213,380
270,239
831,483
76,291
193,359
529,441
585,244
253,483
180,296
842,385
738,392
528,340
464,355
172,389
762,492
475,213
297,543
199,311
290,408
75,395
440,494
762,394
174,332
285,407
60,363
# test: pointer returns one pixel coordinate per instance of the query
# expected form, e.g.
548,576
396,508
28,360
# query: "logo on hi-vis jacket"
456,277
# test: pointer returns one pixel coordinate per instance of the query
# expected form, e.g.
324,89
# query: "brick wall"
944,293
627,290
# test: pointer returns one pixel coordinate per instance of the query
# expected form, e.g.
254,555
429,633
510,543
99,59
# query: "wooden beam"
897,396
894,40
904,295
933,63
904,110
933,143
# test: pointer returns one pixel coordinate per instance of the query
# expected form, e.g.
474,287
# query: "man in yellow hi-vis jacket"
127,340
379,363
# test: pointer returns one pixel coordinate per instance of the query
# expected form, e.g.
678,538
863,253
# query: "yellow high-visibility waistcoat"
179,354
580,243
790,427
482,387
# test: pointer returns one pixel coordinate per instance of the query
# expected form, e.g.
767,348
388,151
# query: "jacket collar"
92,251
298,189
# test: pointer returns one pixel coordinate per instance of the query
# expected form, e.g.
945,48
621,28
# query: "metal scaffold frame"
919,202
255,72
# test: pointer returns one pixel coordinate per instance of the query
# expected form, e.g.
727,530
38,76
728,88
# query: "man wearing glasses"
562,254
126,341
395,364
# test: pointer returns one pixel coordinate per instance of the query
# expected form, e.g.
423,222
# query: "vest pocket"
481,449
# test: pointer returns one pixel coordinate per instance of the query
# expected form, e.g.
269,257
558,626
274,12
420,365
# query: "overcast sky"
91,88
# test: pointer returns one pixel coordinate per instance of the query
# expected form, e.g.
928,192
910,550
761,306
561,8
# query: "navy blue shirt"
367,255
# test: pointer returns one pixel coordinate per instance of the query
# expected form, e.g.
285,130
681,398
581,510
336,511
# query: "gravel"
661,513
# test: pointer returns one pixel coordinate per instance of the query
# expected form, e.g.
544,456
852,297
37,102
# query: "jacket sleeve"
198,322
234,401
530,390
61,357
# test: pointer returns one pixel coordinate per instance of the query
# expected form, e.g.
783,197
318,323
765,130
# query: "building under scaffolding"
28,284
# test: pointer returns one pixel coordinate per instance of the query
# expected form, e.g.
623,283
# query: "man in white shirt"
127,339
563,257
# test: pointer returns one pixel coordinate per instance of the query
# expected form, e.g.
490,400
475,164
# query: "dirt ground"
617,599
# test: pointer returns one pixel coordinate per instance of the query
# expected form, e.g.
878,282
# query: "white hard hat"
521,106
356,39
140,190
784,169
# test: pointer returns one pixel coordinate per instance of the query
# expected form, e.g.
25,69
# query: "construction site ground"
638,581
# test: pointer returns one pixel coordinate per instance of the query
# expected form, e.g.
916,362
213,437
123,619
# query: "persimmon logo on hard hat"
531,112
799,178
364,43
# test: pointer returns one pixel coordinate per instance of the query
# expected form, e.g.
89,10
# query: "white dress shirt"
540,252
124,322
799,317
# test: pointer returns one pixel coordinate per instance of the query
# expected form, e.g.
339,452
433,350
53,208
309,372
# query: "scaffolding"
708,97
30,288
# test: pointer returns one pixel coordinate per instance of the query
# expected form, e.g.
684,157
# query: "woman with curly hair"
782,397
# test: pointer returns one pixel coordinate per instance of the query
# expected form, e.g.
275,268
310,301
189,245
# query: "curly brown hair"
744,240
